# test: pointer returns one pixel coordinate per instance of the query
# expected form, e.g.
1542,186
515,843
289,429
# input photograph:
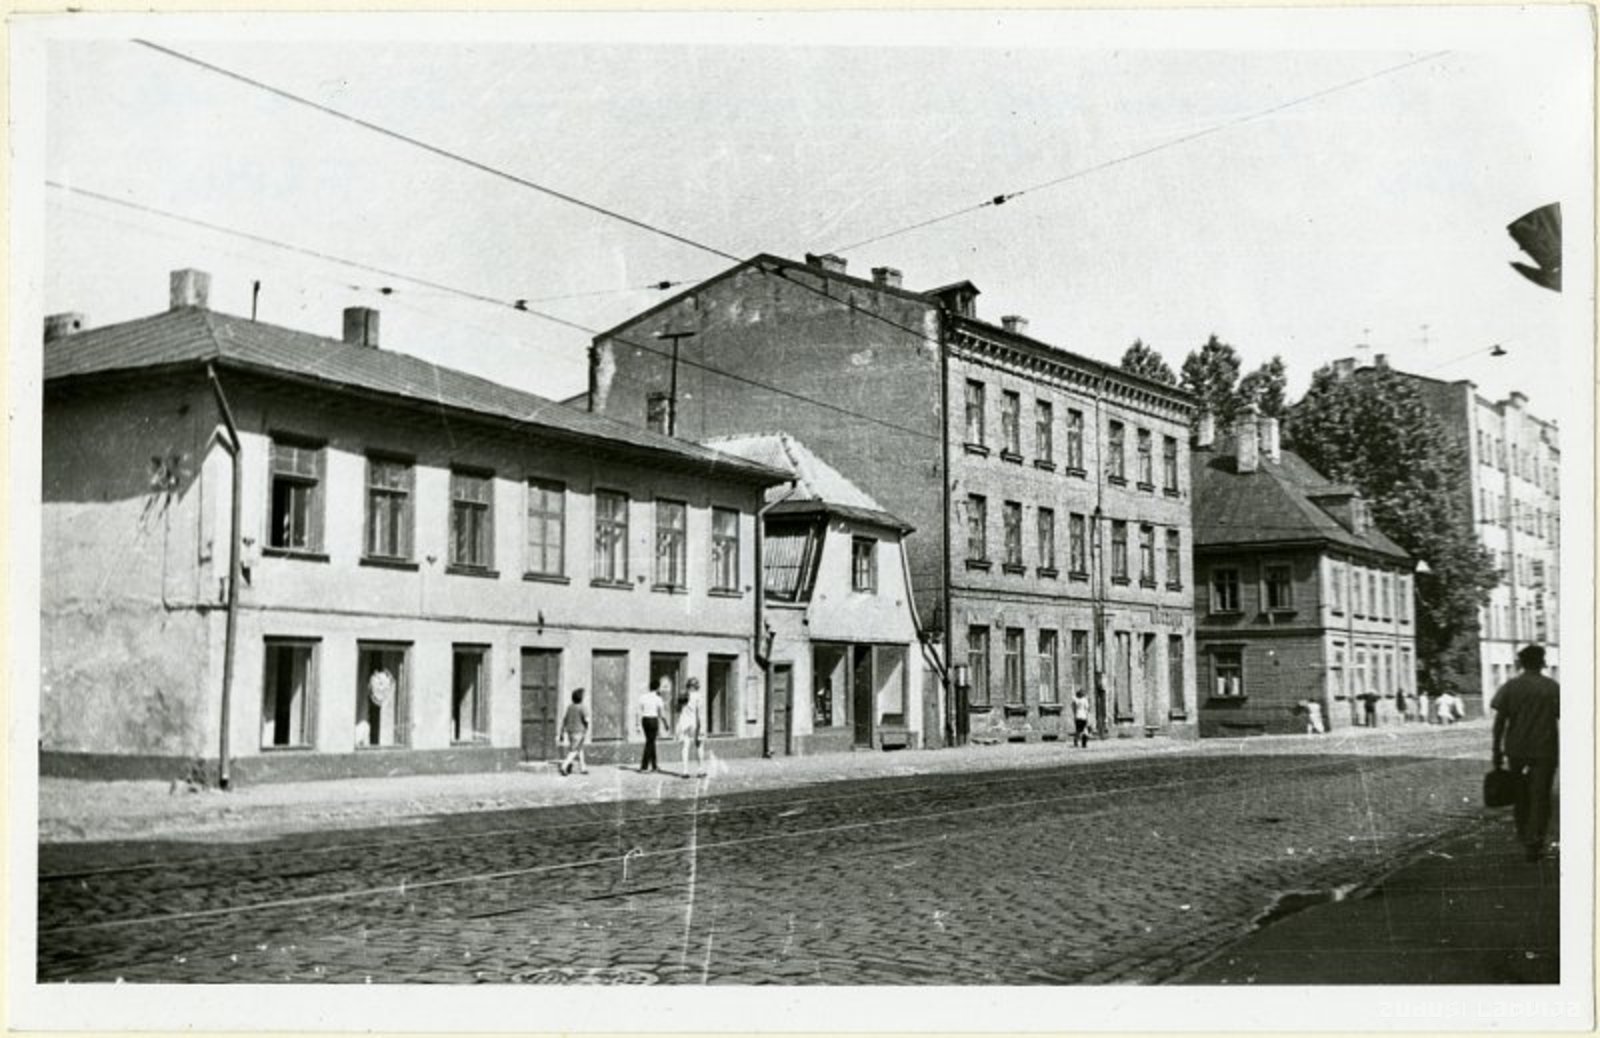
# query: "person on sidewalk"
651,704
688,727
575,734
1080,718
1527,710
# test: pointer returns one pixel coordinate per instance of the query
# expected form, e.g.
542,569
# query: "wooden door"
861,694
609,687
780,696
541,702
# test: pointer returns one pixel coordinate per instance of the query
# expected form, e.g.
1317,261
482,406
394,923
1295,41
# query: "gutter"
235,566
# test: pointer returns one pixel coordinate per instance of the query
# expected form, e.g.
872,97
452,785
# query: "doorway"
780,696
668,665
541,694
861,686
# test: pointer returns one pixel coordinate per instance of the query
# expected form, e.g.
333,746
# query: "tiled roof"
1271,505
818,485
195,336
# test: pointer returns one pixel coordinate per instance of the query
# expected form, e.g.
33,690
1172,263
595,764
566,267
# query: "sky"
1371,215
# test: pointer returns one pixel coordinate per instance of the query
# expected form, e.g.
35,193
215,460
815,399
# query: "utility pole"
672,390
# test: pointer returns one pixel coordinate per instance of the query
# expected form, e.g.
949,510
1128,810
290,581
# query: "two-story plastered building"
428,563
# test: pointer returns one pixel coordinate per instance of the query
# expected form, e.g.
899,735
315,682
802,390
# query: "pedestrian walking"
1313,711
1449,708
1369,709
688,728
575,734
1527,710
651,704
1080,718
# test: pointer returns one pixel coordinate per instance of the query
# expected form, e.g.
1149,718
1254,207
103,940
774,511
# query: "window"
720,685
1225,590
830,692
471,520
1080,660
1403,606
1358,671
889,677
1049,655
1147,475
1336,676
977,528
975,413
388,509
1372,595
1336,588
1408,671
1075,441
296,496
1280,586
1013,533
1119,550
469,694
978,664
863,564
1015,647
1174,561
1044,434
724,549
1175,704
1122,675
382,695
1169,464
790,560
1356,585
547,527
1047,540
1116,459
1227,668
610,537
1147,555
287,691
1010,424
672,544
1386,596
1077,544
658,413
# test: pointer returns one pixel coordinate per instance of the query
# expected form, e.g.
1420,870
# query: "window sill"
1076,470
616,585
1170,492
547,578
976,448
725,592
1147,582
1281,610
977,708
1012,456
1178,715
1147,487
1174,587
370,748
1015,568
1016,710
1226,699
472,571
1117,481
863,591
381,563
981,564
1047,572
294,553
1048,466
1050,709
298,748
1079,575
1227,612
669,589
483,741
1120,581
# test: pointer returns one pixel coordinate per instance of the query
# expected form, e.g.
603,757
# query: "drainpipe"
235,566
1098,577
953,726
759,643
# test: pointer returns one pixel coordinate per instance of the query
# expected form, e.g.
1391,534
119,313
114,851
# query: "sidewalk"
72,811
1471,910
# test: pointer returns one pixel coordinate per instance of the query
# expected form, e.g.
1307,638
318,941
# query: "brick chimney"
59,326
828,262
361,326
1205,435
190,288
1014,324
886,276
1247,447
1270,448
1344,367
1380,360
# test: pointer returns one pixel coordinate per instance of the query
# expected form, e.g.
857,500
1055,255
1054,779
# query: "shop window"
721,683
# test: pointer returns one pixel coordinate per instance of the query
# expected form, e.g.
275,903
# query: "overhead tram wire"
520,306
1003,198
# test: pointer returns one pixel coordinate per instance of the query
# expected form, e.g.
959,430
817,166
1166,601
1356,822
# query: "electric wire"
1004,197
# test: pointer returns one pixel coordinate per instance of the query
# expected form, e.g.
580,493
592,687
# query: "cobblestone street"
1114,871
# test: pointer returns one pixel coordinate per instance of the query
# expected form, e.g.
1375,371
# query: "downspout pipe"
235,568
954,725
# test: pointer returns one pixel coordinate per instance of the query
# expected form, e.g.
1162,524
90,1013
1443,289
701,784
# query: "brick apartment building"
1298,598
429,562
1049,492
1510,481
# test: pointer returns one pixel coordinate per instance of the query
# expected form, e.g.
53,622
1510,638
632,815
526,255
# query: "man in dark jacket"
1526,711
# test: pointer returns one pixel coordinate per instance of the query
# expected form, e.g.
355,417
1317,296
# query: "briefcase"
1500,788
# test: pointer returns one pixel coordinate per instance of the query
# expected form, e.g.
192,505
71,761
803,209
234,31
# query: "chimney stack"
361,326
1344,367
190,288
1380,360
1270,448
1518,399
1205,436
1014,324
1247,445
886,276
828,262
59,326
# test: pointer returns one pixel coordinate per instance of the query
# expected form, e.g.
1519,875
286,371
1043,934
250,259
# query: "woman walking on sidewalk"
689,728
1080,719
575,733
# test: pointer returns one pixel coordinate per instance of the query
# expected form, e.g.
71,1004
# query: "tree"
1212,374
1265,387
1373,431
1143,360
